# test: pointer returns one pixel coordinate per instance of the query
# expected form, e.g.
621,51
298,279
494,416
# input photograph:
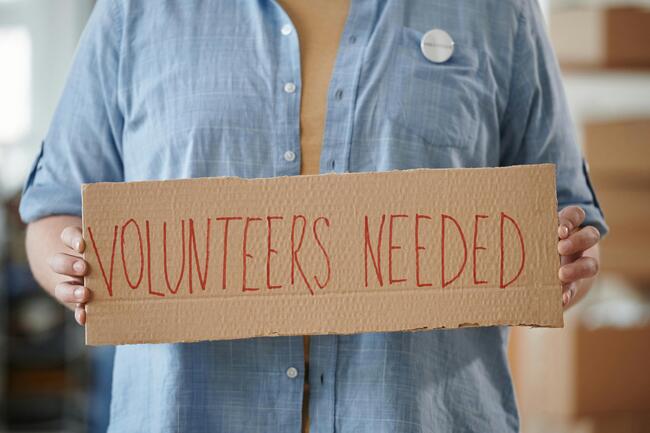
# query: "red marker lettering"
295,262
224,272
419,248
445,282
368,249
392,247
503,284
180,277
269,251
122,242
148,236
476,247
194,254
322,248
246,255
108,281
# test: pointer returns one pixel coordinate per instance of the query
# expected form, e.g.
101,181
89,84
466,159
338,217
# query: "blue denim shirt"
165,89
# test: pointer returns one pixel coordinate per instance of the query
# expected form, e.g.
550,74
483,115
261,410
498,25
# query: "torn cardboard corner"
226,258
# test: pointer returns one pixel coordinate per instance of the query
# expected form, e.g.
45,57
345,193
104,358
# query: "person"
258,88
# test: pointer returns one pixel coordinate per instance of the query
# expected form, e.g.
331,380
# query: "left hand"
579,261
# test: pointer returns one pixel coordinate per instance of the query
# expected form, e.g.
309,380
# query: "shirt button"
292,372
338,94
352,39
289,87
289,156
286,29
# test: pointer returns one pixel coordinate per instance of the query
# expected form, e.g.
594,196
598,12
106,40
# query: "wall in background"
52,28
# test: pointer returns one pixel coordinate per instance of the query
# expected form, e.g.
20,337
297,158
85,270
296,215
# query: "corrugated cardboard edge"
85,186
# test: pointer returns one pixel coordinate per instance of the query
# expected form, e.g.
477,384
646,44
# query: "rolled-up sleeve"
83,143
536,126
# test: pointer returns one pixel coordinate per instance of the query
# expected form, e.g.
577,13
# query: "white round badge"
437,46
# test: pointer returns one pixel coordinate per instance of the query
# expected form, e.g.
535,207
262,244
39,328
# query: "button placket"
288,135
345,79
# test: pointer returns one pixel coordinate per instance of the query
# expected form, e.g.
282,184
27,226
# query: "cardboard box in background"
601,37
618,153
616,424
592,376
582,380
609,424
223,258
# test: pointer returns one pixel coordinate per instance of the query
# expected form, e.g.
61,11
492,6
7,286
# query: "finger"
73,238
570,218
71,293
565,260
584,267
568,293
579,241
80,314
66,264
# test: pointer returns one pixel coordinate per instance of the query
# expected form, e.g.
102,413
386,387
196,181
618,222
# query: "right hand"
69,264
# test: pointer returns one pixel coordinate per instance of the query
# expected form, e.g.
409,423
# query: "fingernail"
78,266
77,315
79,293
77,245
564,231
565,298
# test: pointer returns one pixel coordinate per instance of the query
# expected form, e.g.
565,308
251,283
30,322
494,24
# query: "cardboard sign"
225,258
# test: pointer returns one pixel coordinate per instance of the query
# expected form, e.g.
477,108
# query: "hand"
73,267
578,263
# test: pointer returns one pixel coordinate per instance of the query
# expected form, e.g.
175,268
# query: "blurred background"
591,377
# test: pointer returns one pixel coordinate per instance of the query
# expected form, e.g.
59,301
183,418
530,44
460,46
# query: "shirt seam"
521,22
117,18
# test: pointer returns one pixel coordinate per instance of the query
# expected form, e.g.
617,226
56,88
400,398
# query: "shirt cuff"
45,198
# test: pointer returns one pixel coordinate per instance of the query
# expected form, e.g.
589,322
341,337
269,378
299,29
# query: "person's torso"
214,88
319,24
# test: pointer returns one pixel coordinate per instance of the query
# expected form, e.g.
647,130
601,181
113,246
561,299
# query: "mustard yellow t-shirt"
319,24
